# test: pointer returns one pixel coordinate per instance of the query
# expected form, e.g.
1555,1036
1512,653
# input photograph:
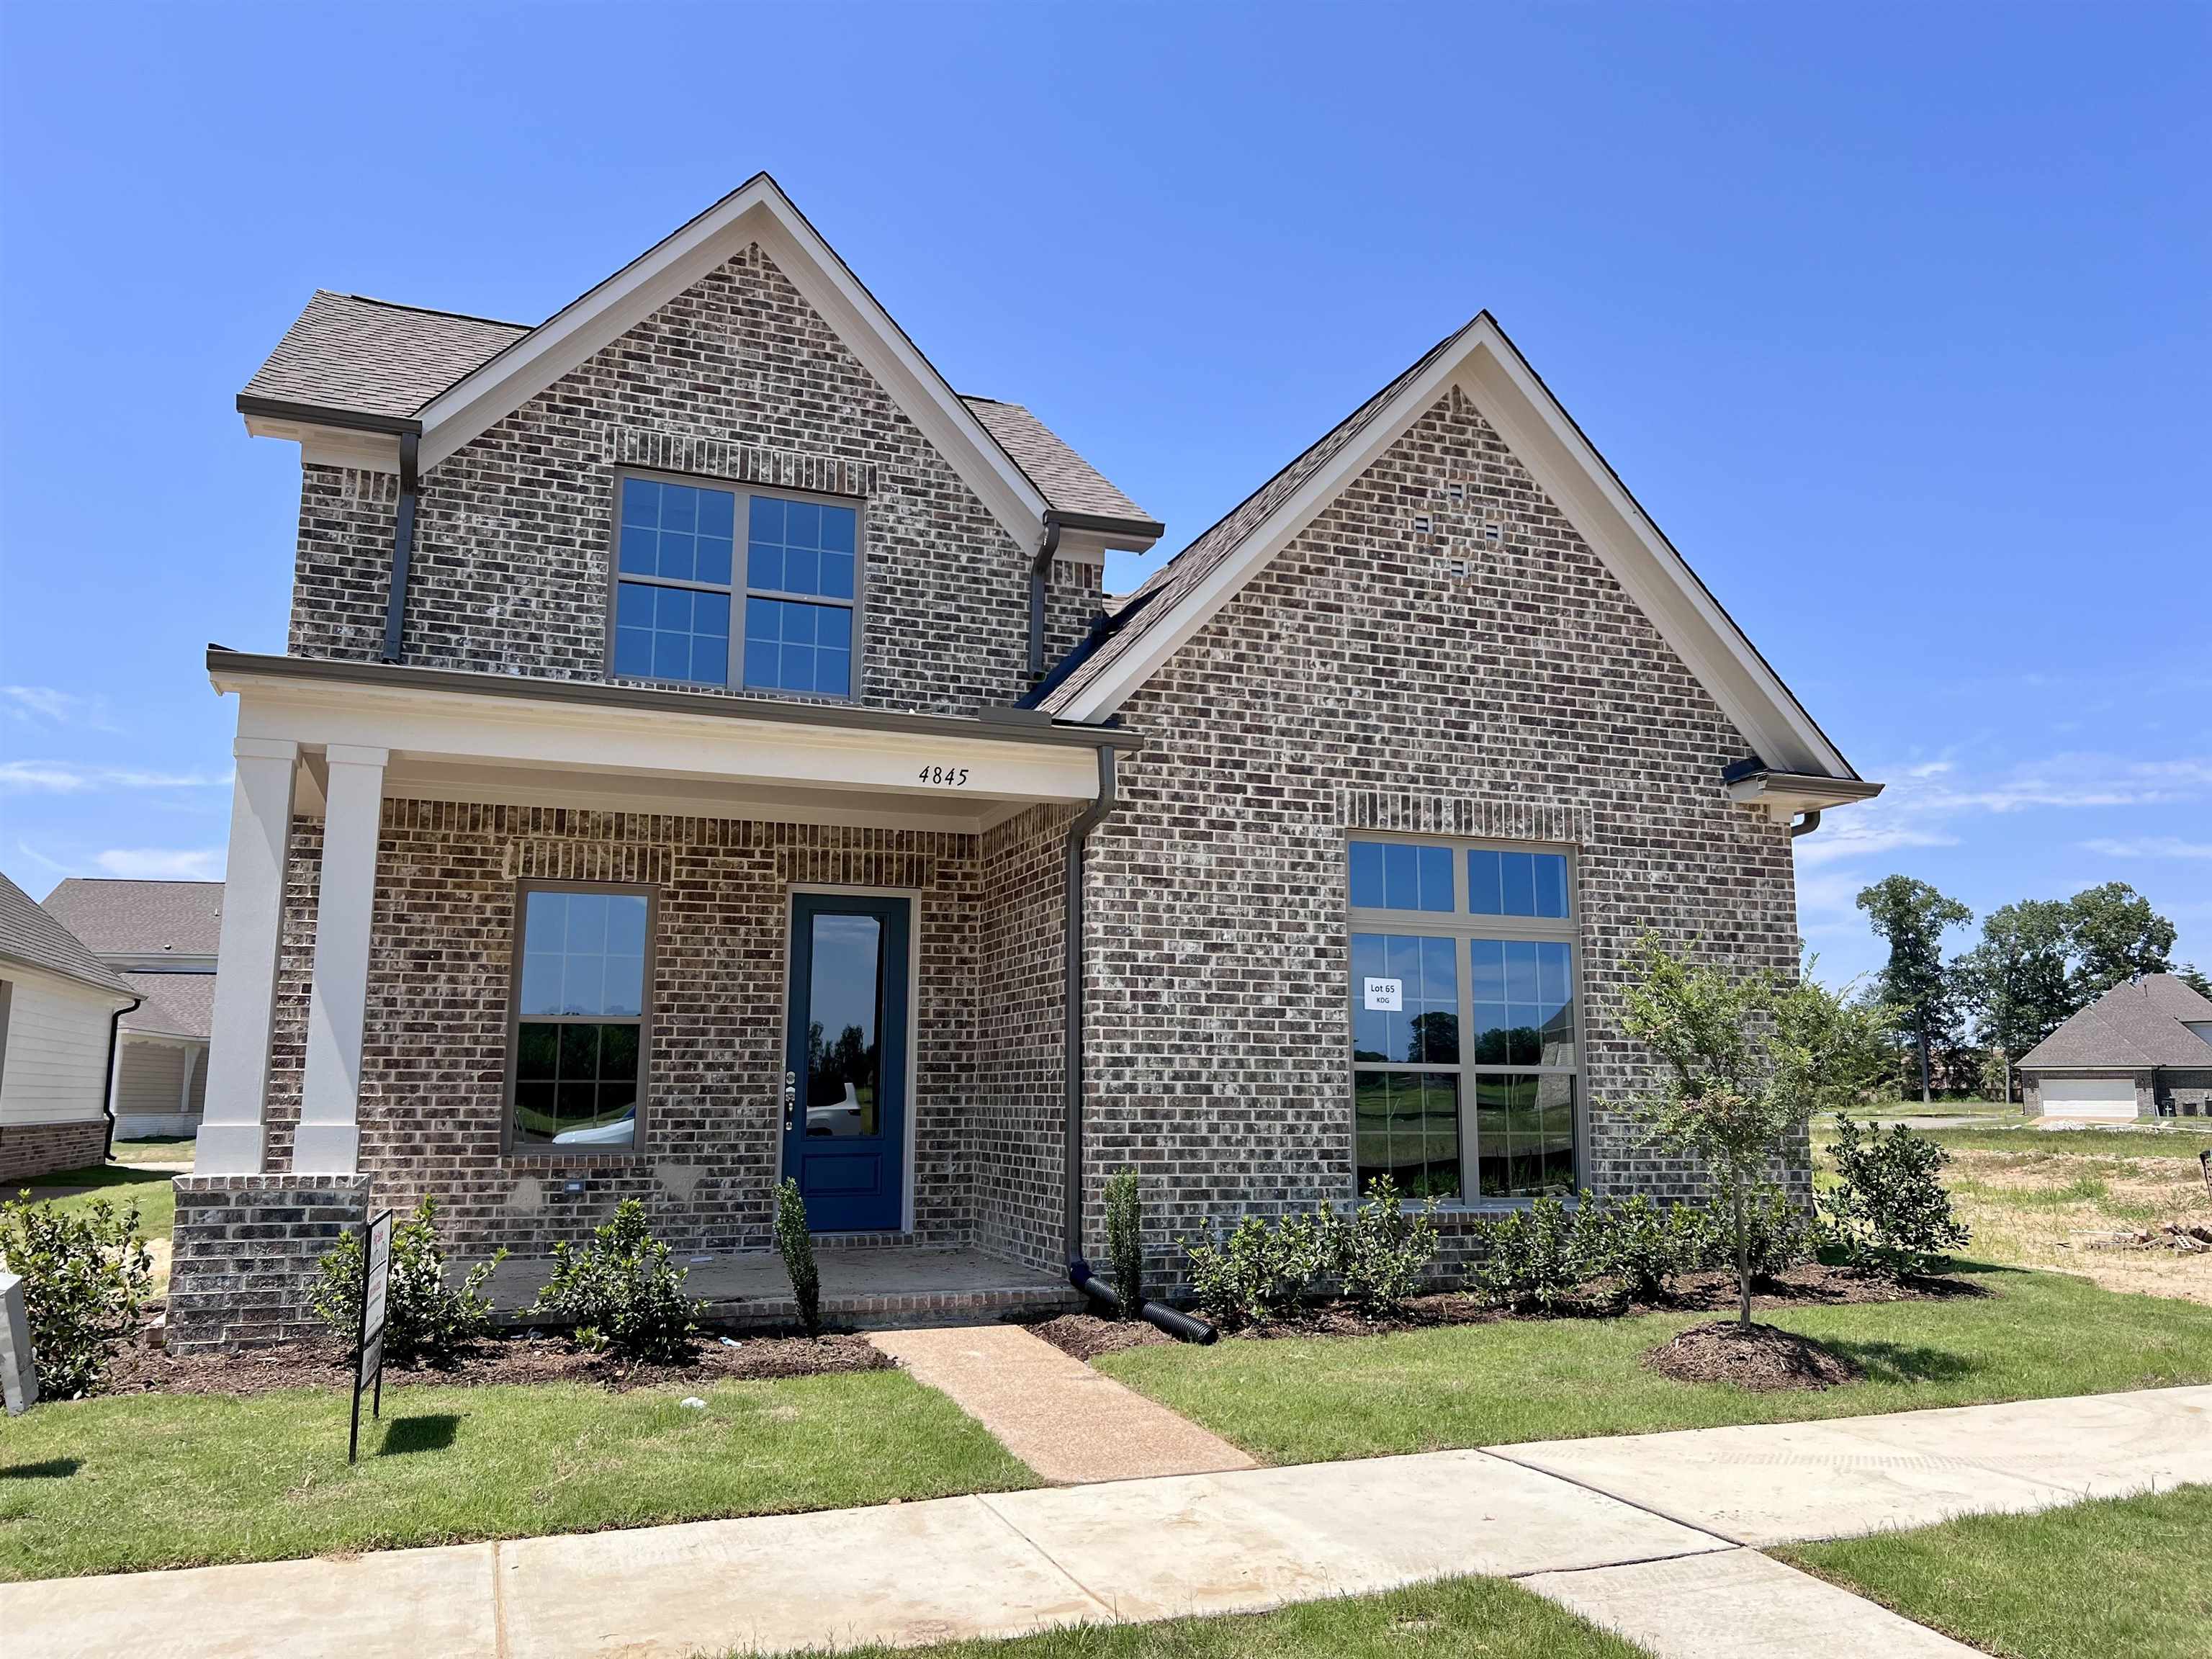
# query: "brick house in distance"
703,753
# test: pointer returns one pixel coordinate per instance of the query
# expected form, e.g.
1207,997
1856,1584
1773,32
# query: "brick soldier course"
1436,651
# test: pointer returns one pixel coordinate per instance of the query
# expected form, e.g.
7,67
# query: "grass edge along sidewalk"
2112,1576
1303,1400
140,1481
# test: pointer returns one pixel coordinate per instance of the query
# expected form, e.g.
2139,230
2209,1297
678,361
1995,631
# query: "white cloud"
70,778
2151,847
31,704
161,863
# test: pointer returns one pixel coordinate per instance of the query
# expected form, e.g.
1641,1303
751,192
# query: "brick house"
704,753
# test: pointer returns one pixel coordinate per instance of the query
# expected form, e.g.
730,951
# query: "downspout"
1173,1320
107,1076
1806,822
1040,570
403,545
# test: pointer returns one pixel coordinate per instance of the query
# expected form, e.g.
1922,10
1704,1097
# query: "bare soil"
1760,1358
141,1368
1814,1285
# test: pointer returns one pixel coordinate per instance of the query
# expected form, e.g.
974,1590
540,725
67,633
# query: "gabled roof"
1071,483
1490,371
2135,1025
138,918
34,938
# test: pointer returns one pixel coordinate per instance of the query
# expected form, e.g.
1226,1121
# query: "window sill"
561,1157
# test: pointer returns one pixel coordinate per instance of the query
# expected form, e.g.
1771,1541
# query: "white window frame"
1461,923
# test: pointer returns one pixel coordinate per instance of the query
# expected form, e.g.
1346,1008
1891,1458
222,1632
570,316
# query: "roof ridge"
425,311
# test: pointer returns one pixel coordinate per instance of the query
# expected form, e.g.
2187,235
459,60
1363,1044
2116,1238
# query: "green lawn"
2083,1142
165,1480
1304,1400
2126,1576
1890,1111
120,1184
1451,1618
155,1149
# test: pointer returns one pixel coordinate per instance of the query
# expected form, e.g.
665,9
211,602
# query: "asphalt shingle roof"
30,936
1184,572
116,917
176,1004
1067,481
2135,1024
371,357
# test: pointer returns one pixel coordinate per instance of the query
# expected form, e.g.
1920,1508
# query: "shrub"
1125,1241
1641,1245
426,1321
87,1275
794,1242
1888,1210
1378,1254
1532,1258
620,1292
1778,1235
1262,1271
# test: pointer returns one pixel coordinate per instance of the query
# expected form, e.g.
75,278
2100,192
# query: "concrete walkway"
1644,1533
1070,1423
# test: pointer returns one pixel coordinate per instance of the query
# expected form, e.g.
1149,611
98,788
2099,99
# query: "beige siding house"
59,1009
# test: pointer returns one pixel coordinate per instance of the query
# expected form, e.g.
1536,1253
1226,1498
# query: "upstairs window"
774,608
1466,1064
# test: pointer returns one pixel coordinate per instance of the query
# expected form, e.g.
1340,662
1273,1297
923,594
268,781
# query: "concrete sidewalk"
1644,1533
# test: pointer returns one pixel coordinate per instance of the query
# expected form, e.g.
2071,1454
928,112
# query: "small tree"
794,1242
1888,1210
1749,1060
1125,1241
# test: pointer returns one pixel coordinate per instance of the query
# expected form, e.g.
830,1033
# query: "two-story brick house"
703,754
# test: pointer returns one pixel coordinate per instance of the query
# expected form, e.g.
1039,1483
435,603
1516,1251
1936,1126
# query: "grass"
1301,1400
120,1184
1449,1619
2120,1576
155,1149
1888,1111
169,1480
2078,1143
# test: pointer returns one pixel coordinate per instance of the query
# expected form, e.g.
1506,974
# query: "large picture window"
583,977
732,587
1465,1055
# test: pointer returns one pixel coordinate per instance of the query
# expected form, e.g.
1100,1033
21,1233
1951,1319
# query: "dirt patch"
144,1368
1086,1336
1814,1285
1759,1358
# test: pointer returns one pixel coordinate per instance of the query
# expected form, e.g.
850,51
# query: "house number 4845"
955,776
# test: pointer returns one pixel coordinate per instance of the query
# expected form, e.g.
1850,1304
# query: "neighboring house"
2142,1050
703,754
161,937
58,1010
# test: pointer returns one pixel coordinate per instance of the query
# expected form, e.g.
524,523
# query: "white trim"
913,897
1490,372
757,211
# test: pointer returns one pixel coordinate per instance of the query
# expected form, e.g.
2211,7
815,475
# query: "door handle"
790,1101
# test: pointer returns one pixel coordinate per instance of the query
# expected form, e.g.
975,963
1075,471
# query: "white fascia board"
758,212
1490,371
661,747
330,446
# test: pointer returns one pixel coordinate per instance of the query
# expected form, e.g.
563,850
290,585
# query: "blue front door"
844,1113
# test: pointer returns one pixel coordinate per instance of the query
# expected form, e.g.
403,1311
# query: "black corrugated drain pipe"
1171,1321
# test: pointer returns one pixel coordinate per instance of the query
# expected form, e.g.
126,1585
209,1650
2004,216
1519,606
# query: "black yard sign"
368,1348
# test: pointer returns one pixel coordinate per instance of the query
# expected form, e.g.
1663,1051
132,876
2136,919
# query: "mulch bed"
1758,1358
141,1368
1814,1285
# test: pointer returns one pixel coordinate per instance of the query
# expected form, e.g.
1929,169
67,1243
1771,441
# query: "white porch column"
328,1141
245,977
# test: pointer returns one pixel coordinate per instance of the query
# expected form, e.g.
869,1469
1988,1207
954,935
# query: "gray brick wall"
739,378
37,1148
245,1252
1357,685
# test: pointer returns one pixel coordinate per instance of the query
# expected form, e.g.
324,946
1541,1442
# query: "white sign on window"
1386,996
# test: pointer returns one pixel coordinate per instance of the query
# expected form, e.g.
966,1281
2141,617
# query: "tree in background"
2015,982
2190,976
1912,916
2116,935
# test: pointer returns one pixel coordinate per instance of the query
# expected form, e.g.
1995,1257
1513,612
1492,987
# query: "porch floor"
870,1286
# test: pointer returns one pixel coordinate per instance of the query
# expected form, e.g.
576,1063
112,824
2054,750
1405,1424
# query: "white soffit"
758,212
1490,370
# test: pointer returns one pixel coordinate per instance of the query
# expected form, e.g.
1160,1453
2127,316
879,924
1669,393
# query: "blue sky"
1895,319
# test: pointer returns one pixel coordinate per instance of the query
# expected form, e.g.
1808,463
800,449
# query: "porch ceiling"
456,736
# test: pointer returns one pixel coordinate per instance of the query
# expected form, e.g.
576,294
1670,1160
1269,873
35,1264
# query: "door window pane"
844,1012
